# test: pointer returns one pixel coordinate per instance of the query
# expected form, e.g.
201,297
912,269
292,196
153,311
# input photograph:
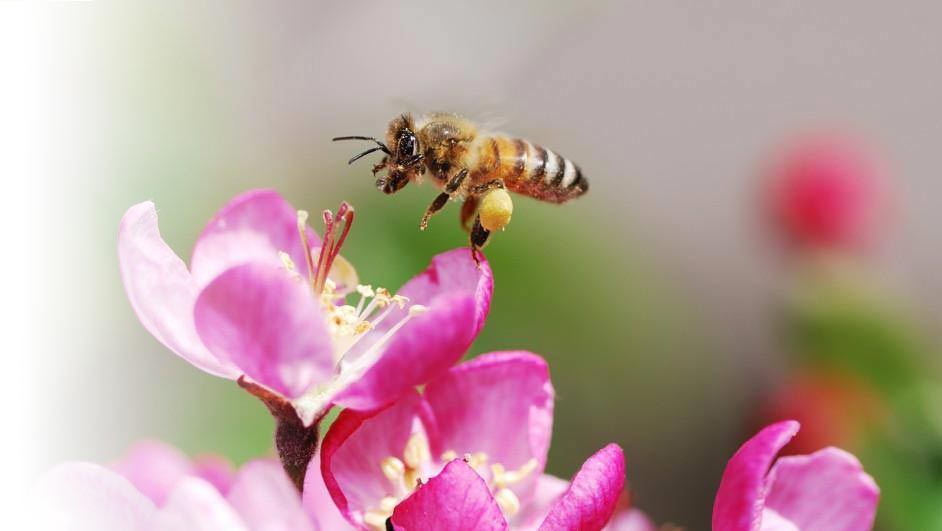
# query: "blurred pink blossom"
834,408
257,301
827,192
481,431
156,488
155,468
824,491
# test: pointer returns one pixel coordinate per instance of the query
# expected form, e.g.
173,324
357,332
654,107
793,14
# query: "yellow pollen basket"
496,209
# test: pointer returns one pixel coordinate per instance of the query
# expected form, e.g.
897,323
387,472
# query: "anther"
412,479
366,291
375,519
286,261
507,501
500,477
388,504
393,468
416,451
448,456
417,309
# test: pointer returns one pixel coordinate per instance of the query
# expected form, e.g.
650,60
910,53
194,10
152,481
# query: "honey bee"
474,166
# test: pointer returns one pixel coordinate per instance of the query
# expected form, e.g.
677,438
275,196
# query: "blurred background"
720,274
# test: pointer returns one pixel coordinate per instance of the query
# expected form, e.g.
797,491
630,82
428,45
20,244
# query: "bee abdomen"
538,172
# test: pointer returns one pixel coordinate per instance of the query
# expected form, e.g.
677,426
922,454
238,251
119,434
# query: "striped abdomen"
534,171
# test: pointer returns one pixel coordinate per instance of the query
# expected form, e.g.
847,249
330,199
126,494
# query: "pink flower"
155,468
481,432
825,491
257,301
156,488
827,192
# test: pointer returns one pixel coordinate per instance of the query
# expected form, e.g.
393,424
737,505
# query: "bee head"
404,163
403,160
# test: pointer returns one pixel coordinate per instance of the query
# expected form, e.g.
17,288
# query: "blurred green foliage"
846,327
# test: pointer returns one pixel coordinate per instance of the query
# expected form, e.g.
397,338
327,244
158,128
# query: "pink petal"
739,501
354,448
500,404
772,521
424,348
592,495
216,470
154,468
458,295
161,290
266,499
269,325
252,228
451,271
825,491
319,505
548,490
631,520
457,499
89,497
195,505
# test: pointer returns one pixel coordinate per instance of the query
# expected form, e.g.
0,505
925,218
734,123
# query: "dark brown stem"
294,442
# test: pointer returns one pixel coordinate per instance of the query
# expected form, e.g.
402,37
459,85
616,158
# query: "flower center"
332,279
405,474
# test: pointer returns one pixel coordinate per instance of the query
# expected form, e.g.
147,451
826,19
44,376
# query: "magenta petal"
825,491
454,271
216,470
354,448
424,348
458,295
590,501
500,404
266,499
319,505
739,501
269,325
89,497
195,505
154,468
252,228
161,290
457,499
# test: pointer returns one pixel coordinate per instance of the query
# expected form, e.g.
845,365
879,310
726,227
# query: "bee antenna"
380,144
365,153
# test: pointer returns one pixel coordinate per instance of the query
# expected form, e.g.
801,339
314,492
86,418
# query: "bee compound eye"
408,147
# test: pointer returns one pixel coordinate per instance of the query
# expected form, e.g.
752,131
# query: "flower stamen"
507,501
309,260
331,245
416,458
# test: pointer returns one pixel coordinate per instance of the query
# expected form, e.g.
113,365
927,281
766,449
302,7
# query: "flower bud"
827,192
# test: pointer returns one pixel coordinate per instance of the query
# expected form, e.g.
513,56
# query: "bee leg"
468,209
436,205
488,186
479,237
439,202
